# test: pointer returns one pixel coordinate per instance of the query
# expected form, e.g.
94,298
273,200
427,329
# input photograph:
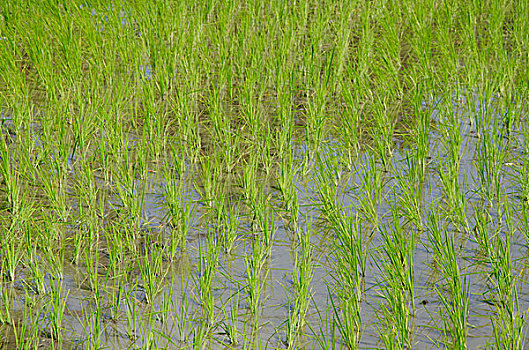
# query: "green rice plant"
10,253
132,314
52,251
262,224
452,287
327,178
230,310
180,210
91,321
34,263
182,314
287,188
5,309
266,149
27,331
419,162
208,177
351,125
350,267
256,274
249,178
409,198
369,193
56,310
326,333
453,189
490,154
151,270
300,295
507,317
230,224
204,279
54,180
91,262
397,304
383,131
129,178
11,179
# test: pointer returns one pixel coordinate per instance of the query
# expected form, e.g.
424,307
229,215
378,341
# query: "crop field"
264,174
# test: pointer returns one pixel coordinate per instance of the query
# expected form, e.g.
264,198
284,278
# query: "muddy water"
230,274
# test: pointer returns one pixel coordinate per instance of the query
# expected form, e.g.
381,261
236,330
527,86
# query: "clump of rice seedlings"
452,286
302,274
507,317
180,210
409,198
229,228
230,324
182,314
91,321
132,314
56,309
490,154
10,253
52,251
350,267
351,138
256,275
383,131
327,177
204,279
91,265
27,331
34,263
10,178
369,192
249,179
396,303
5,306
287,188
151,270
131,193
453,189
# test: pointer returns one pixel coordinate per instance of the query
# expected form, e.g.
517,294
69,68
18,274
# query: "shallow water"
230,275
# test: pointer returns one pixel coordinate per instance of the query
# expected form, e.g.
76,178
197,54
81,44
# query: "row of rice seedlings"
180,210
349,258
164,50
396,306
207,264
452,286
299,294
409,198
491,152
369,191
288,190
27,331
448,167
494,240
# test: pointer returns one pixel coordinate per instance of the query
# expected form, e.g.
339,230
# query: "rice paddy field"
264,174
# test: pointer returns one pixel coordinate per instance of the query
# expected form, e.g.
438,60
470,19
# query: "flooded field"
247,175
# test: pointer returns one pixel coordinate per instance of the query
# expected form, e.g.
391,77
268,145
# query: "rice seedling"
300,297
5,311
56,309
27,333
452,286
205,277
133,132
397,303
